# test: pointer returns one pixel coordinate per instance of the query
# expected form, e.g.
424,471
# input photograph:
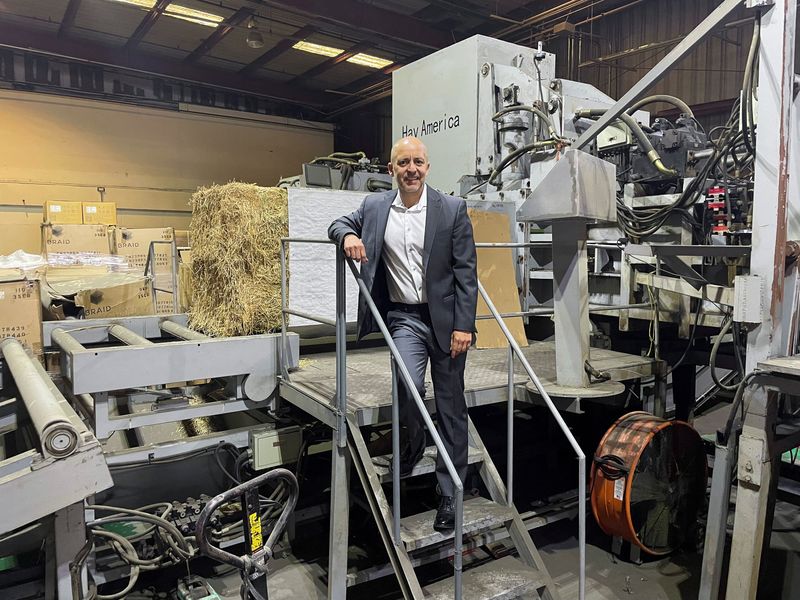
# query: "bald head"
408,143
409,166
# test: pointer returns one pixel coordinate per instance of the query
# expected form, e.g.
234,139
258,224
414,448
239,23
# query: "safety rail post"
565,430
395,455
341,351
510,430
282,350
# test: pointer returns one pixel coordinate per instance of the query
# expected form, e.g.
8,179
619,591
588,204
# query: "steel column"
755,472
340,498
717,522
69,532
510,429
571,302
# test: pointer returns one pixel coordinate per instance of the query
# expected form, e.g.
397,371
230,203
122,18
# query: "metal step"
480,514
427,463
501,579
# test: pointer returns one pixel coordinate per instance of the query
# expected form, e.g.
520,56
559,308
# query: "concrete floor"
608,578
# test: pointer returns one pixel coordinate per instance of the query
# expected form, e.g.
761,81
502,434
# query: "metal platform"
369,385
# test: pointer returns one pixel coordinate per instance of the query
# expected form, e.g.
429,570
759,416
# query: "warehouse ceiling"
349,47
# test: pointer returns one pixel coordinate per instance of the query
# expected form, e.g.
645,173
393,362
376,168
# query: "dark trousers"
413,335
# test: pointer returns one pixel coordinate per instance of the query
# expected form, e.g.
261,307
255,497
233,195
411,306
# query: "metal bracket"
751,459
758,3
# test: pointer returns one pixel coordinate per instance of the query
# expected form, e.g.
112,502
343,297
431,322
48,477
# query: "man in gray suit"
418,260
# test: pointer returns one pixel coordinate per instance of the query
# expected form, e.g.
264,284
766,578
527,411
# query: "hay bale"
236,272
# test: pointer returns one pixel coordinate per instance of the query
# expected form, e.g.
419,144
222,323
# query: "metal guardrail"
514,350
396,364
150,269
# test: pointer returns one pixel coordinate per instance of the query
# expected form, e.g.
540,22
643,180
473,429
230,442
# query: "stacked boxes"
57,212
21,313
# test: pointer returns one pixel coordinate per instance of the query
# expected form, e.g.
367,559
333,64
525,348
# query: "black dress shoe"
445,519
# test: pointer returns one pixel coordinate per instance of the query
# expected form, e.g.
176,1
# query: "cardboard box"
182,238
91,292
164,304
75,239
99,213
134,244
21,313
62,213
125,300
23,236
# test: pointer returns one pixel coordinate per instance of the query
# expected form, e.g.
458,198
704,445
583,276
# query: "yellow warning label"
256,541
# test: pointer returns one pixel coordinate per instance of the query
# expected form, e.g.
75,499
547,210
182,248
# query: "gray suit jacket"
448,261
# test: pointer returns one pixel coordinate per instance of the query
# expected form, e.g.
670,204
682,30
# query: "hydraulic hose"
665,98
713,359
498,116
644,141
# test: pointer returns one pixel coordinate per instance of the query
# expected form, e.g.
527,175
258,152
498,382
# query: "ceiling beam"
13,36
149,20
331,62
223,29
365,17
69,17
284,45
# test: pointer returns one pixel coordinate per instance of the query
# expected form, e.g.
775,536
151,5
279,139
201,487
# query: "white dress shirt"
402,250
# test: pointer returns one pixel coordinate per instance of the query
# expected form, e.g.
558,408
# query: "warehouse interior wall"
147,160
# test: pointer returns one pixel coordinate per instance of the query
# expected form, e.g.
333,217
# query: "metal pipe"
126,336
57,434
307,240
565,430
310,317
86,404
684,47
395,456
543,312
341,352
174,249
282,353
66,342
181,332
510,430
426,418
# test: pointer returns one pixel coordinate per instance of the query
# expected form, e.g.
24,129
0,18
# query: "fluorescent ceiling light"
367,60
179,12
193,16
139,3
317,49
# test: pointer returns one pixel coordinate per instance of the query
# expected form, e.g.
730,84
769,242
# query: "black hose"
673,100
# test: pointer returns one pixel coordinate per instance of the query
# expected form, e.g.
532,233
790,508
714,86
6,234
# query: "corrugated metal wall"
712,72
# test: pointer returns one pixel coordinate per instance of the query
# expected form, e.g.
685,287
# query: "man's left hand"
459,342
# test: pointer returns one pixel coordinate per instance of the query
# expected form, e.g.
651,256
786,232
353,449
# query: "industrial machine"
624,228
342,171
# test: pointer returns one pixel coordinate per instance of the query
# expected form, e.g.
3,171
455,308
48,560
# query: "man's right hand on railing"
354,248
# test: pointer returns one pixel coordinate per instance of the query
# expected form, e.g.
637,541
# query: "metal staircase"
503,578
478,519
